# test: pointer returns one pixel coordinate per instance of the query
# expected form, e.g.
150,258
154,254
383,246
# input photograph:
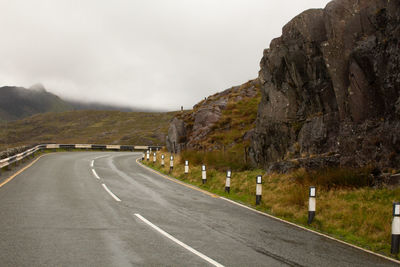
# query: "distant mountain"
19,102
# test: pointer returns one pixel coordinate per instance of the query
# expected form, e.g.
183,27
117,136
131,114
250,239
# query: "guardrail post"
258,189
228,181
162,160
203,174
311,204
395,229
154,157
186,167
171,163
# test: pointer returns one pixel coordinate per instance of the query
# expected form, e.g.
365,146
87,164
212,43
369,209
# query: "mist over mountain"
19,102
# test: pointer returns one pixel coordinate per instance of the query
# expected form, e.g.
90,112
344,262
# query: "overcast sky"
151,53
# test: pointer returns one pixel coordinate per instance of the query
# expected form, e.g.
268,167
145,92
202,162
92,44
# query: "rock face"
331,86
190,129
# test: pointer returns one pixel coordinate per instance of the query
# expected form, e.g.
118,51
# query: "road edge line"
271,216
178,181
7,180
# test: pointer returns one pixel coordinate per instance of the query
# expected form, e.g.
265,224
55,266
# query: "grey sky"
151,53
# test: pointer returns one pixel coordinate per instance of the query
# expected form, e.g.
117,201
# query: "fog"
158,54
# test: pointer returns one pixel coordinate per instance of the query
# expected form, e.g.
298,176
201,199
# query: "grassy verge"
359,215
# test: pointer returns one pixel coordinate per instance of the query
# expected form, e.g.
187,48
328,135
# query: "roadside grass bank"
347,209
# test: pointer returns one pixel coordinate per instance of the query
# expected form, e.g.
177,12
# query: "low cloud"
150,54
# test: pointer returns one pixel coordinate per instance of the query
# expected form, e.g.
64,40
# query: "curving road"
60,212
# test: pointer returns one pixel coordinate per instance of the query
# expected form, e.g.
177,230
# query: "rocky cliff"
330,89
220,121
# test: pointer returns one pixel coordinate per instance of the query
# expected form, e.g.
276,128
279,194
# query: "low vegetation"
94,127
227,137
347,207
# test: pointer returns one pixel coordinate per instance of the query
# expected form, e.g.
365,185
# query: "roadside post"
186,167
395,229
162,160
171,163
154,157
148,155
143,156
203,174
311,204
258,189
228,181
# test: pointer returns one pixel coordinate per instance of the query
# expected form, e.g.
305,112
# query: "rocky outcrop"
331,84
191,129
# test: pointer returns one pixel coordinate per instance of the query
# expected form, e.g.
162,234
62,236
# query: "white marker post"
258,189
311,204
162,160
228,181
154,157
203,174
143,156
395,229
148,155
171,163
186,167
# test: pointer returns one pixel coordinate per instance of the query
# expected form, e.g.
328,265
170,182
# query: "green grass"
95,127
357,214
225,144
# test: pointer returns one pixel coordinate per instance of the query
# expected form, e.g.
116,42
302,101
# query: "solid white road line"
111,193
201,255
95,174
309,230
91,163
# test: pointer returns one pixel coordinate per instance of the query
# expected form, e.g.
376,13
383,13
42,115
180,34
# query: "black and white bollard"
258,189
203,174
162,160
143,156
171,163
228,181
311,204
395,229
154,157
148,155
186,167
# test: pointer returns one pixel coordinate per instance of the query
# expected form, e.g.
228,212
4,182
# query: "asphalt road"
58,213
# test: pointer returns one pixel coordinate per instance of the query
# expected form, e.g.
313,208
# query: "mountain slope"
88,126
19,102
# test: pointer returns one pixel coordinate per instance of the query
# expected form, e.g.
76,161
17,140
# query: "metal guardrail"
10,160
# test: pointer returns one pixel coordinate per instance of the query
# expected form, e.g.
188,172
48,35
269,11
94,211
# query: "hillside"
96,127
19,102
330,95
222,122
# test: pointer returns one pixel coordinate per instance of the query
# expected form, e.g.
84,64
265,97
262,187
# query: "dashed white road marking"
95,174
92,163
111,193
201,255
101,157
